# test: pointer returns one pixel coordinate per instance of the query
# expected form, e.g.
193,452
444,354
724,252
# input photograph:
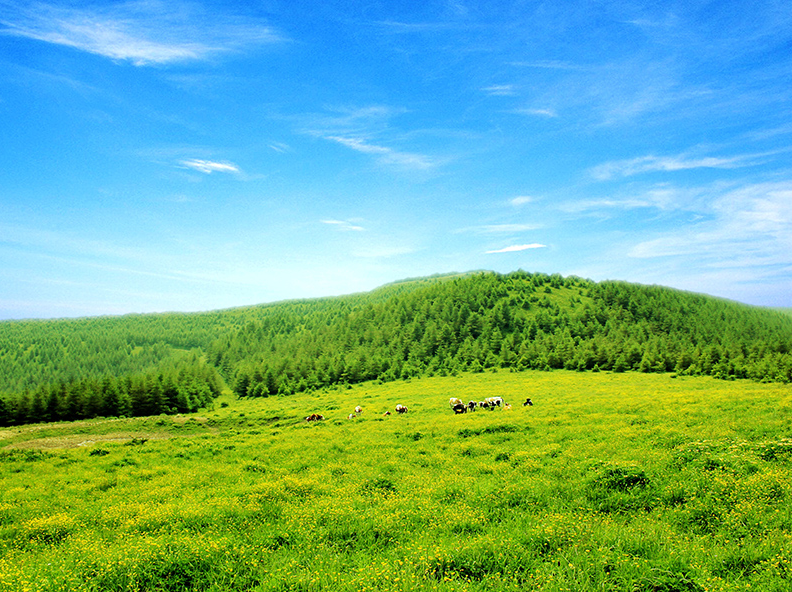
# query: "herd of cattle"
490,403
456,405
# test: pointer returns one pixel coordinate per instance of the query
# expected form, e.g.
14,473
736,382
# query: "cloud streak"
385,155
344,225
746,227
143,33
499,228
650,164
517,248
538,112
362,130
209,167
500,90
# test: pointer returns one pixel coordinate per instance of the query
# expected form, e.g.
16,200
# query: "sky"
198,155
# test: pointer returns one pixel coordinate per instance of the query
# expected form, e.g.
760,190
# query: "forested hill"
143,364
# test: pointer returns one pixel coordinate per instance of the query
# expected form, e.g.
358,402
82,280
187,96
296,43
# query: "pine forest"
137,365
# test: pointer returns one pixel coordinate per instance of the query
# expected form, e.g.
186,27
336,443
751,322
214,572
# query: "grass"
634,482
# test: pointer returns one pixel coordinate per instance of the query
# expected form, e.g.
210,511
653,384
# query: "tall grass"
609,482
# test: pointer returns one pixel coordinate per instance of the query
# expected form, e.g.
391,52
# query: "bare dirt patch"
87,440
94,431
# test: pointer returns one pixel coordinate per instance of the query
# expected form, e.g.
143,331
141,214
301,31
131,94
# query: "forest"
439,326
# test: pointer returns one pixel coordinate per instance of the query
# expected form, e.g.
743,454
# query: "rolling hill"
437,326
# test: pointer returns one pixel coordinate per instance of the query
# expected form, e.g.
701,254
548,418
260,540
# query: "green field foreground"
634,482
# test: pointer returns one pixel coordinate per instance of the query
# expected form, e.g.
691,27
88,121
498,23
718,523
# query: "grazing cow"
471,405
401,409
507,406
386,413
358,409
527,402
495,401
314,417
351,416
459,408
454,401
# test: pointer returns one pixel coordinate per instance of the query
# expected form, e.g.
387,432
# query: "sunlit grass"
609,482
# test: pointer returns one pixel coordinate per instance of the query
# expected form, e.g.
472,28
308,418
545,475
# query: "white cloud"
497,228
746,227
382,252
538,112
649,164
549,65
346,122
500,90
208,166
367,130
516,248
509,227
521,200
664,197
344,225
143,33
764,134
386,155
279,147
359,145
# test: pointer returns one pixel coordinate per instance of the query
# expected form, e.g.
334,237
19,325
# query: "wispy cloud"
279,147
611,93
764,134
359,145
344,225
209,166
349,121
549,65
537,112
516,248
141,32
521,200
744,227
69,249
650,164
381,252
497,229
417,27
385,155
367,130
669,198
500,90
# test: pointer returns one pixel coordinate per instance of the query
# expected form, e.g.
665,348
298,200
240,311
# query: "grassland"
634,482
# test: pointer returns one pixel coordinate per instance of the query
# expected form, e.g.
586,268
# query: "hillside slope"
428,326
517,321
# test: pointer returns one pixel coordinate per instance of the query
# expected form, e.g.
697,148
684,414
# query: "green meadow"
610,481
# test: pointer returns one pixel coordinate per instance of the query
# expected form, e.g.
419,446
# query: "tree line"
180,386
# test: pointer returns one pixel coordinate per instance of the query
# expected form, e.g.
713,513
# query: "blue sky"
182,156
